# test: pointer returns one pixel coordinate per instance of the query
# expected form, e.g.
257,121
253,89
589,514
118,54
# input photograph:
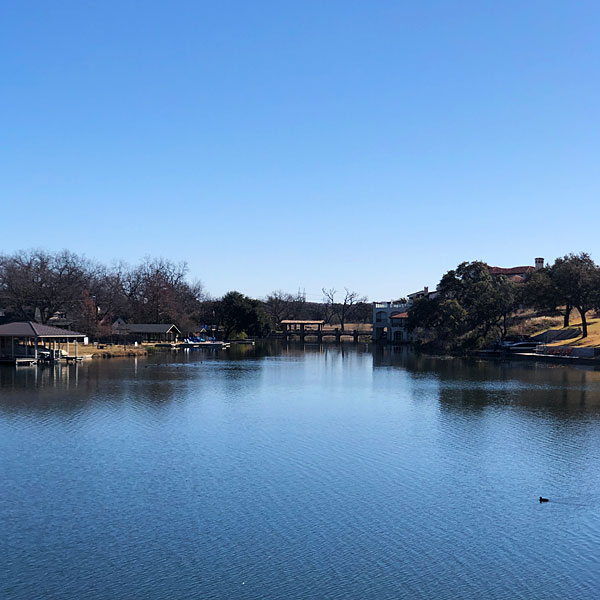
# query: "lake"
324,472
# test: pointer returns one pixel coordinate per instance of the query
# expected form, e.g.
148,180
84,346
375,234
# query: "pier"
18,362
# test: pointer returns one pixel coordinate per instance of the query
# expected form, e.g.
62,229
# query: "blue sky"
279,145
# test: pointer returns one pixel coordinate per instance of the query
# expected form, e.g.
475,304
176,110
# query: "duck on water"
544,500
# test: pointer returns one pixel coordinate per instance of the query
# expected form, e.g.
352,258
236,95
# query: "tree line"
473,306
67,288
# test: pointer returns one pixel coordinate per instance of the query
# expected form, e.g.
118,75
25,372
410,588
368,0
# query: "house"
383,313
390,318
518,274
146,332
424,293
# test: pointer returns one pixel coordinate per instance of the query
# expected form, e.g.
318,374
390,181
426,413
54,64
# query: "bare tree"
281,305
36,284
155,289
329,304
277,306
344,310
107,291
348,308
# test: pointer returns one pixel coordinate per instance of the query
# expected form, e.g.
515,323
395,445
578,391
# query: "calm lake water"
289,473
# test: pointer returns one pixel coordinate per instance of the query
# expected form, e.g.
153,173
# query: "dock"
206,345
216,345
538,357
18,361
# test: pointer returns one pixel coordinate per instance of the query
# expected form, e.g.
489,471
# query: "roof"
423,292
147,327
403,315
293,322
32,329
511,270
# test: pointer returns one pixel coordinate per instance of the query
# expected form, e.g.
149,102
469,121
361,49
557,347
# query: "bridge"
302,329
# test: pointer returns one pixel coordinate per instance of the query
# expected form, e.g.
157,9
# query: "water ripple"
299,476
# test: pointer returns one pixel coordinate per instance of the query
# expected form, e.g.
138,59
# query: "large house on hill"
518,274
390,318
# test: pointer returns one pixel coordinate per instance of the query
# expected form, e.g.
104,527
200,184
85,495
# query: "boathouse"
27,341
146,332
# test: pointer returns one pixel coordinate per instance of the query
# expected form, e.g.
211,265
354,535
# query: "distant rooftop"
511,270
147,327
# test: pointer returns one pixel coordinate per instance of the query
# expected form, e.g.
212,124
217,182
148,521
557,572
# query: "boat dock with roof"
28,342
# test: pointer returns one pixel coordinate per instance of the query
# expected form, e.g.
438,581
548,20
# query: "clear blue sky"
275,145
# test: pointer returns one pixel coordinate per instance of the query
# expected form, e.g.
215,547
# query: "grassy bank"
591,341
111,351
529,324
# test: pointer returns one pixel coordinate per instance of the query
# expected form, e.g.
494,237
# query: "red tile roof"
511,270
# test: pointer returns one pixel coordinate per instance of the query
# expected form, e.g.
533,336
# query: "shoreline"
533,357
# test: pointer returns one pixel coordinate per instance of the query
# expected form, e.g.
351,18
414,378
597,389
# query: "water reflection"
302,471
463,384
471,384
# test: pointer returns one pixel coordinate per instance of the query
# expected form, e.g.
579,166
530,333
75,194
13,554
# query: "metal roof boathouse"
26,342
147,332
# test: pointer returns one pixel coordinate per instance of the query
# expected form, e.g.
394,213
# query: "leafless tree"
157,291
329,304
344,310
281,305
36,284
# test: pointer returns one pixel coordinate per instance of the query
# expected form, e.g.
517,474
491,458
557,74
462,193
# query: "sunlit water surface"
292,473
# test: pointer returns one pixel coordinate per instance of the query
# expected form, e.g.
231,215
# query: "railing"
390,305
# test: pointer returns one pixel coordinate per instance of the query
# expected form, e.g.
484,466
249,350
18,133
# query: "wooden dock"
206,345
18,361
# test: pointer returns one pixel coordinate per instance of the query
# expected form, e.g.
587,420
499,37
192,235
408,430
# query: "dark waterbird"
544,500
